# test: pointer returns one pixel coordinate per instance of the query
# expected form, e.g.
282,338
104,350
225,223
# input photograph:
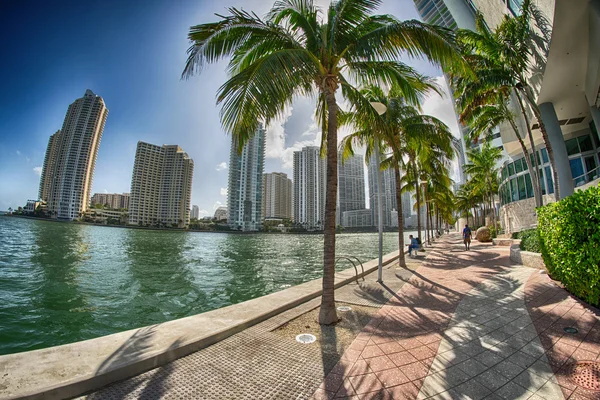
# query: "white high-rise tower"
76,152
309,188
245,190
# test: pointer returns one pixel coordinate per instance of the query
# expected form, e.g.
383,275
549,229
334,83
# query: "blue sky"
132,56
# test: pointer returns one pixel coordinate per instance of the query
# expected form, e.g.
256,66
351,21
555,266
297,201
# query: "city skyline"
143,90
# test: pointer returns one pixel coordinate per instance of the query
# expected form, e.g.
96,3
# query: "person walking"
467,237
414,245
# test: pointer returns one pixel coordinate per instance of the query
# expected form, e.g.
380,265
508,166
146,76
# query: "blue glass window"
514,190
549,180
572,146
528,186
585,143
511,169
577,171
542,182
545,155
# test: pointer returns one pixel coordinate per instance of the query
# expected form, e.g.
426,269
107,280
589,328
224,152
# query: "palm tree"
390,131
297,50
509,62
483,173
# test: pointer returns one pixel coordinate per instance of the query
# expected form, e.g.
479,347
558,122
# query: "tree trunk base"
328,317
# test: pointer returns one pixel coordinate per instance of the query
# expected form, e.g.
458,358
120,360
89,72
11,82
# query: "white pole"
379,213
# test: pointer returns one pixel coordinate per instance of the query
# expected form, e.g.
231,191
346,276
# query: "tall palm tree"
483,173
298,50
401,124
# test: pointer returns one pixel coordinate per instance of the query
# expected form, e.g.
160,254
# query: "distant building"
75,155
388,194
277,196
32,205
357,219
115,201
195,212
351,185
309,188
245,191
221,214
161,186
48,170
103,216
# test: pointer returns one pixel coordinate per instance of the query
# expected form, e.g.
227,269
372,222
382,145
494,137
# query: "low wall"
526,258
520,215
69,370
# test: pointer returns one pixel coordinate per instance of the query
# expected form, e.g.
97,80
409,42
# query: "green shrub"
570,242
530,240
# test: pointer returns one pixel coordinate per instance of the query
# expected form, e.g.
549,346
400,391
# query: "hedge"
530,240
569,233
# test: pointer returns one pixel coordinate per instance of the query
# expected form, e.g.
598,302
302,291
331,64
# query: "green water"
61,283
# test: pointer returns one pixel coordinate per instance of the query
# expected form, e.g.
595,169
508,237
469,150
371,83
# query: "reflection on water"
63,282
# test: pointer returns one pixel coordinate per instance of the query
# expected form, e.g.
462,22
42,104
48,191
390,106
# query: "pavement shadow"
123,385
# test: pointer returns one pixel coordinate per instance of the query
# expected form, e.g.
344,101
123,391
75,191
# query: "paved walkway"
456,325
469,325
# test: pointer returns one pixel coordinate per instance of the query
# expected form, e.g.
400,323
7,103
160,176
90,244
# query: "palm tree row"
299,50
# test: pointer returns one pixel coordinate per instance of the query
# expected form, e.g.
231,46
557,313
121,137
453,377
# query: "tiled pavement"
469,325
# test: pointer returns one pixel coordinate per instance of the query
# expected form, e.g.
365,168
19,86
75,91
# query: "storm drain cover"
306,338
344,308
570,330
587,375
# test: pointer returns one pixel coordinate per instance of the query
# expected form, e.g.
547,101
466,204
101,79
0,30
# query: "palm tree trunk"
535,180
538,116
417,191
401,259
427,218
327,313
527,158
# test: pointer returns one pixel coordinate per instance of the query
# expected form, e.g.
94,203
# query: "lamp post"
380,108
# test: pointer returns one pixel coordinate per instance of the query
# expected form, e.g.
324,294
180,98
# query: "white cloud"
18,153
203,212
224,192
275,144
441,107
105,191
38,171
217,205
222,166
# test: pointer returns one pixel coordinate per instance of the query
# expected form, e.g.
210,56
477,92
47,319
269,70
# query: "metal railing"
587,177
349,258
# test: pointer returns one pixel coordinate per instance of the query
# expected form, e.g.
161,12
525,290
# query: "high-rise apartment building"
195,214
351,184
161,186
116,201
221,213
48,170
77,148
388,194
245,190
277,196
309,188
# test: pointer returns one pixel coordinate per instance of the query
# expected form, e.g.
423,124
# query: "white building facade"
277,196
75,156
309,188
245,187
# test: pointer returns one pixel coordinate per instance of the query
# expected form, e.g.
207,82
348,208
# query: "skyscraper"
161,186
77,149
195,212
48,170
388,194
351,185
245,183
277,196
309,188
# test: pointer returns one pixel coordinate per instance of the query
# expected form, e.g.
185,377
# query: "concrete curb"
76,368
526,258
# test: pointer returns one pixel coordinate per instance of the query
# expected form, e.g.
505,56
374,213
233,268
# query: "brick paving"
469,325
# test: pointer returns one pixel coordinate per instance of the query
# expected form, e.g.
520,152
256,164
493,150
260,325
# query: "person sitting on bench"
414,245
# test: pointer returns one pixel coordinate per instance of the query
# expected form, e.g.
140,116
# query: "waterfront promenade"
454,325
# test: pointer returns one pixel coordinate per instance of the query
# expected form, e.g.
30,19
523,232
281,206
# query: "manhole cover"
306,338
587,375
570,330
344,308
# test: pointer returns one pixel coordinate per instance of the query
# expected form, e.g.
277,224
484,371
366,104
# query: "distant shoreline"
193,230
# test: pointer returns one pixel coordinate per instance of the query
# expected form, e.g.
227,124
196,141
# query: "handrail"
586,174
349,258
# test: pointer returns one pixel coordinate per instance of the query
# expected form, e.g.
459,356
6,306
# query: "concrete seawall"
76,368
